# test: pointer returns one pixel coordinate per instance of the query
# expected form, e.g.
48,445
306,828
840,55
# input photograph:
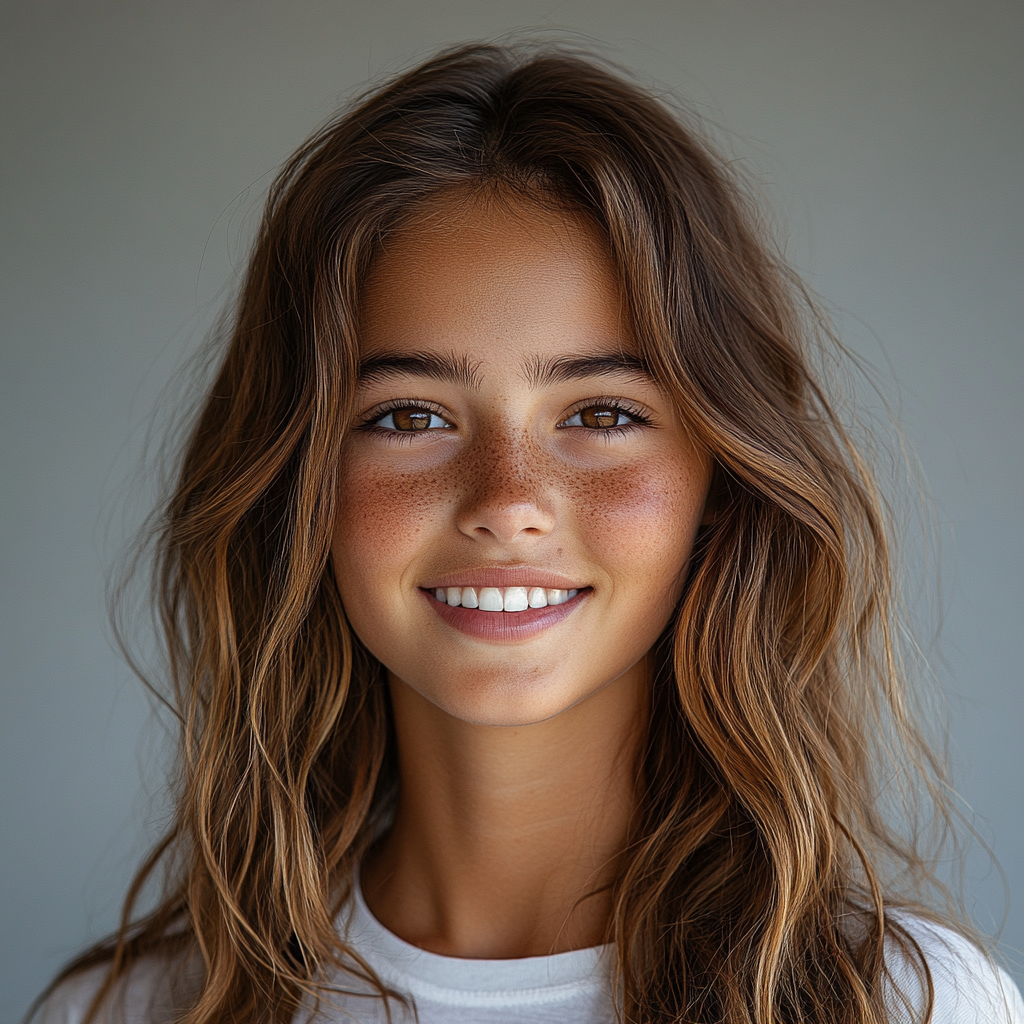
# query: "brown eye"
598,417
410,420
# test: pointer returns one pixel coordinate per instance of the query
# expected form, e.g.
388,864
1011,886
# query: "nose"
508,495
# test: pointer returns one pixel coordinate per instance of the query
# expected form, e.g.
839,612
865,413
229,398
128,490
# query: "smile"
510,614
502,599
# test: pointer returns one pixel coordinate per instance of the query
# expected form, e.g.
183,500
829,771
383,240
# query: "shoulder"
969,987
144,996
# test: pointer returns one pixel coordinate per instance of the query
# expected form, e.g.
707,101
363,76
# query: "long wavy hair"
758,883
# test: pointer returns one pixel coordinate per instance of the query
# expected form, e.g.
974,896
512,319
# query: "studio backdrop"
138,140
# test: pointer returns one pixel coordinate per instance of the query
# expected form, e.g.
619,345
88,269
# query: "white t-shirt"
566,988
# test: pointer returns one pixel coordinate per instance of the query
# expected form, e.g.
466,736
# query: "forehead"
495,281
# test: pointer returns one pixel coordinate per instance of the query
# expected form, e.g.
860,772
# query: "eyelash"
370,422
638,417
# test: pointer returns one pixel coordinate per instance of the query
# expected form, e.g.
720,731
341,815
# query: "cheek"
381,515
643,516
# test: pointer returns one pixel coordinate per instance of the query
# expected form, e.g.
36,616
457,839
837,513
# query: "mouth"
503,599
504,614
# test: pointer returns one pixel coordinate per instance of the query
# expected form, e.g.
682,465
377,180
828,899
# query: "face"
518,498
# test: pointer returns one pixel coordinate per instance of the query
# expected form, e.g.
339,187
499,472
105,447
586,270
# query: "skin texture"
516,753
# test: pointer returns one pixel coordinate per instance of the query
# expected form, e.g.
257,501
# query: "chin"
505,701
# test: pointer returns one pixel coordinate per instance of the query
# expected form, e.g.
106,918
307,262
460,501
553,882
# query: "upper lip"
502,576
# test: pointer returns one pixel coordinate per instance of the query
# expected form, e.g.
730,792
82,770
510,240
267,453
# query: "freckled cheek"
641,519
384,517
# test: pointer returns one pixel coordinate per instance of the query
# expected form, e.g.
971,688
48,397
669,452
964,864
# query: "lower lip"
504,627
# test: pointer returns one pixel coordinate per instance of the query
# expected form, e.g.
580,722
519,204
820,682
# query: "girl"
528,610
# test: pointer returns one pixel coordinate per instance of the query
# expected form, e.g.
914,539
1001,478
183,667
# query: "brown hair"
756,888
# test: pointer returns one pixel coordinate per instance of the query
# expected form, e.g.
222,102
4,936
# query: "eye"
601,416
410,419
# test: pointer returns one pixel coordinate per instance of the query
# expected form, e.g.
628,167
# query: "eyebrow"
458,370
438,366
569,368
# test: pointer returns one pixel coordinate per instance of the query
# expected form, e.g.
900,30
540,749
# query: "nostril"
488,516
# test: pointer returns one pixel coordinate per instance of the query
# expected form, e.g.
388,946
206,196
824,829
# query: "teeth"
511,599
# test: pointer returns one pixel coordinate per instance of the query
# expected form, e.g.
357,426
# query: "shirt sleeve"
969,988
141,998
67,1003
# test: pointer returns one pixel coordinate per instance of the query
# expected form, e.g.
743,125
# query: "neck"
507,839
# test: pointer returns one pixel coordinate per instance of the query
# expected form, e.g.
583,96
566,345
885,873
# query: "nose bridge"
508,486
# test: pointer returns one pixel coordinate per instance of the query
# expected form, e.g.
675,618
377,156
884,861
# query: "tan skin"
517,754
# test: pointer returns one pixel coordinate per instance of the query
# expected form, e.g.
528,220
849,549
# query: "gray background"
137,141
